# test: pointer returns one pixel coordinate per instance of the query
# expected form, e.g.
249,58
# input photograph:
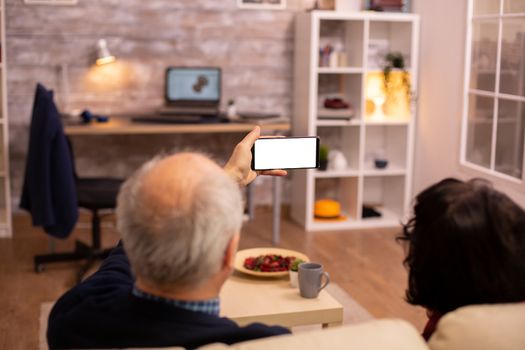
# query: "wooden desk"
272,301
125,126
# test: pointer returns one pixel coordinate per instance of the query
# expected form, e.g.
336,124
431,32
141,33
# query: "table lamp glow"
375,92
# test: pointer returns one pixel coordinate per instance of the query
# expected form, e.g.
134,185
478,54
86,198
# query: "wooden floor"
367,264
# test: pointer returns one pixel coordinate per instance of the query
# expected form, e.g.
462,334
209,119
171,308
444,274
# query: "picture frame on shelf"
262,4
388,5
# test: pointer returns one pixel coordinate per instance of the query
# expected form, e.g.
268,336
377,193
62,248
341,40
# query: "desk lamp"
103,54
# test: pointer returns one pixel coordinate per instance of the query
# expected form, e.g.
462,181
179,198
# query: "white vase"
337,160
231,111
294,279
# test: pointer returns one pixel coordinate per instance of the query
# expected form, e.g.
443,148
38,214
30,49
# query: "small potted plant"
323,157
395,61
294,272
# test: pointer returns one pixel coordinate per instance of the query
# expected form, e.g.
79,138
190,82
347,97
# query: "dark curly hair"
466,245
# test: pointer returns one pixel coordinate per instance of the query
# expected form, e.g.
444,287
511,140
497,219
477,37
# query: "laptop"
192,92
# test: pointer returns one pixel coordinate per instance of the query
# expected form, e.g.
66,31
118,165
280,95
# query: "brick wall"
253,47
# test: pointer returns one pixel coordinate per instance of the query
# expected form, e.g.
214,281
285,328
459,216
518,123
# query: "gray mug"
310,276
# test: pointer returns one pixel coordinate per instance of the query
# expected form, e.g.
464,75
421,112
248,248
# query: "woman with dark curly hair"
466,245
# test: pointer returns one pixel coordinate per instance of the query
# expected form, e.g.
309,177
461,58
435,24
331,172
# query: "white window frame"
479,170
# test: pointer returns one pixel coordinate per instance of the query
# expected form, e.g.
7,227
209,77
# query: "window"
494,112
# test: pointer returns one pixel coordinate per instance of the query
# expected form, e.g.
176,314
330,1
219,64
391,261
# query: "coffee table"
246,299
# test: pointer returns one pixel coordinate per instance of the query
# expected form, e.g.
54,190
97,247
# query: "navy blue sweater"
101,312
49,191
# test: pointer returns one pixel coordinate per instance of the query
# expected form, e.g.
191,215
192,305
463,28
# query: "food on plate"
268,263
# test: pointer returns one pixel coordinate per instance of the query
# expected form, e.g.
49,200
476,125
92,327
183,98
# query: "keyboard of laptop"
190,119
193,111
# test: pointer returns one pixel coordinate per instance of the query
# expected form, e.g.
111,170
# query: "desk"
125,126
272,301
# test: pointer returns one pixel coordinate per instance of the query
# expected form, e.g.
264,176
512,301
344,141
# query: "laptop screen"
186,84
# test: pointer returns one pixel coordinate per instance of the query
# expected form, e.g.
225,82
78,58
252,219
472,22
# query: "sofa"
479,327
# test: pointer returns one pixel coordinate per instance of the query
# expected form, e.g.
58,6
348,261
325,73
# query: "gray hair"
185,244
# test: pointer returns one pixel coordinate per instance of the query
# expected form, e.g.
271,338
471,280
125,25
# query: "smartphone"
285,153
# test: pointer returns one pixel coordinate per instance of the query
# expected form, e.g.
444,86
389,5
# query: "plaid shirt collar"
210,306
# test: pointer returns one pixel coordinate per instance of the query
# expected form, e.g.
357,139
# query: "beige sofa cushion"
481,327
373,335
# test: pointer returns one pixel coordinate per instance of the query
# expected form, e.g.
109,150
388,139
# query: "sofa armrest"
385,334
481,327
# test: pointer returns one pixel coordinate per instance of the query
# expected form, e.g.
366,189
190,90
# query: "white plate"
254,252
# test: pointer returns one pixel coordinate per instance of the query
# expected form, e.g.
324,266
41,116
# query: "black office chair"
52,191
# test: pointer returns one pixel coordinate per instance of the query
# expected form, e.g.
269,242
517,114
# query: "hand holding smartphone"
285,153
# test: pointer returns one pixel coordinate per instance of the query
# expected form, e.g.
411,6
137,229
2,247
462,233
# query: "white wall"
442,54
442,42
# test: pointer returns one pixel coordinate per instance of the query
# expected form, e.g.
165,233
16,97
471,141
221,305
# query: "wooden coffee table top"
246,299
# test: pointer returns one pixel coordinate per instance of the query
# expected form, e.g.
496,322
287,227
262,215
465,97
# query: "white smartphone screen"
285,153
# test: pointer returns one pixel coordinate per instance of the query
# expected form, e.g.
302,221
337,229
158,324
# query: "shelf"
336,173
319,224
331,112
359,41
344,86
364,15
391,170
333,122
339,70
387,121
386,142
388,219
386,195
389,36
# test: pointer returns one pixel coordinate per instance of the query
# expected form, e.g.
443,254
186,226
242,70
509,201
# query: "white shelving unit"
387,190
5,192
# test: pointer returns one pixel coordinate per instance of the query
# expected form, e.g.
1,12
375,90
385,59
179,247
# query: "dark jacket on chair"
102,312
49,191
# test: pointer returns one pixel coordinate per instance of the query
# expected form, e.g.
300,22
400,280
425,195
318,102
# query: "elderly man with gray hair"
180,218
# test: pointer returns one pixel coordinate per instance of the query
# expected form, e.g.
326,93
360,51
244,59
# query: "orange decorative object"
327,209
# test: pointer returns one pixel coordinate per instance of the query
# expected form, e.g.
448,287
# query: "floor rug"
353,313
